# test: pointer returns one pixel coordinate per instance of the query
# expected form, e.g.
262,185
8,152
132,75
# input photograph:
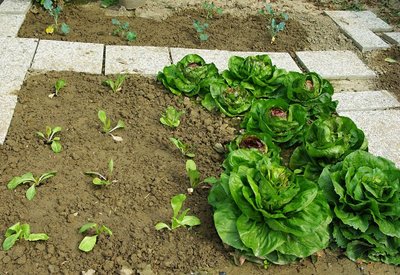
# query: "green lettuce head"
266,211
364,191
327,141
189,76
283,122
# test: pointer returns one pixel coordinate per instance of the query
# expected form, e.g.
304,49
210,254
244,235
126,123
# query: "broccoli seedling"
122,30
201,28
171,117
211,9
55,13
21,231
184,148
179,219
99,179
116,85
107,125
276,21
88,242
50,138
30,179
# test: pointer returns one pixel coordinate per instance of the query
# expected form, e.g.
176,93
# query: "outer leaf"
56,147
88,243
87,226
190,221
176,203
162,225
28,177
10,241
31,192
37,237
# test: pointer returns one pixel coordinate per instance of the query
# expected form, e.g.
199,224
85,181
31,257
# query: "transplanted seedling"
193,175
179,219
185,149
28,178
88,243
99,179
55,12
49,137
116,85
211,9
57,87
200,26
276,21
123,30
107,125
21,231
171,117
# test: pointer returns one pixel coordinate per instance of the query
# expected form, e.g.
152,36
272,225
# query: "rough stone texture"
382,131
220,58
16,55
368,100
68,56
366,19
364,38
392,37
346,85
134,59
10,24
15,6
7,105
335,64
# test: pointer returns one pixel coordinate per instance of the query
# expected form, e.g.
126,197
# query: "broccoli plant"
49,138
202,26
276,21
116,85
99,179
171,117
88,242
107,125
122,30
183,147
21,231
55,13
60,84
28,178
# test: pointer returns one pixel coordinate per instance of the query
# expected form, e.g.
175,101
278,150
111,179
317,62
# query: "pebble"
53,269
6,259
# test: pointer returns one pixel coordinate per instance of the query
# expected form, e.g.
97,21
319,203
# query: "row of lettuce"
331,192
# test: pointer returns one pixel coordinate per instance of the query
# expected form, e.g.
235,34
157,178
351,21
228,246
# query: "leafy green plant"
183,147
364,192
99,179
21,231
193,175
211,9
88,242
116,85
108,3
49,137
276,21
179,219
107,125
201,28
55,13
28,178
122,30
171,117
60,84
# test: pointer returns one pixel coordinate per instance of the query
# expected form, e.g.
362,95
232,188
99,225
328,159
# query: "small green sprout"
30,179
107,125
116,85
99,179
277,21
171,117
88,242
201,28
50,138
185,149
57,87
21,231
193,175
211,9
55,12
123,30
181,219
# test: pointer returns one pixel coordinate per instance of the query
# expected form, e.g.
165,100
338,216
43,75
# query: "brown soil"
149,171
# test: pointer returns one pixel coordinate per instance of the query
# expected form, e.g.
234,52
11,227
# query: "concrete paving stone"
367,100
365,39
335,64
366,19
16,55
382,131
10,24
220,58
136,59
15,6
7,106
392,37
68,56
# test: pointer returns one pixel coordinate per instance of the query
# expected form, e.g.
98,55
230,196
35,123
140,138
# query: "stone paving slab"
367,100
135,59
15,6
382,131
366,19
365,39
16,55
220,58
10,24
68,56
392,37
335,64
7,106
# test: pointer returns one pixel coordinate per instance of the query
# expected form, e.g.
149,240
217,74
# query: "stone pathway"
376,112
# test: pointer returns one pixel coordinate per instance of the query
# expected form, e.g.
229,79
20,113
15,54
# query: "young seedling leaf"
10,241
102,116
193,173
131,36
106,230
46,176
20,180
390,60
87,227
37,237
56,147
13,229
97,181
88,243
190,221
65,29
31,192
162,225
211,180
177,202
115,22
111,166
25,230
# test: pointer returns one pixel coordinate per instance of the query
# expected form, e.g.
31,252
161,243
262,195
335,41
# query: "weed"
88,242
107,125
116,85
276,21
21,231
185,149
55,12
50,138
122,30
171,117
30,179
99,179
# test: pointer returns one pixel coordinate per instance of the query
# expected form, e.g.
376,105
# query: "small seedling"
122,30
171,117
30,179
88,242
116,85
21,231
181,219
99,179
107,125
201,28
55,12
276,21
211,9
50,138
57,87
193,175
185,149
108,3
